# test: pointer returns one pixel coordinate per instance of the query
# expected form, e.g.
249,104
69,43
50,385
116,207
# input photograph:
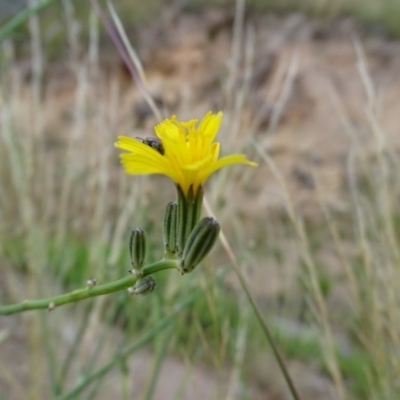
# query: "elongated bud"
182,218
197,206
200,242
137,248
188,214
143,286
170,230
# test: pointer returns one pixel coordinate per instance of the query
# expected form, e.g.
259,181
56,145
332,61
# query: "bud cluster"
187,239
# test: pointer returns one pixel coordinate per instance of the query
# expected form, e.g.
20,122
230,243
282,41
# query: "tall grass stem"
257,312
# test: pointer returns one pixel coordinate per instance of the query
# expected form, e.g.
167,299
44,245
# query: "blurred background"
310,91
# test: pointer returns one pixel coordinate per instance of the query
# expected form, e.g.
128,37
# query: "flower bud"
137,248
182,221
143,286
188,214
201,240
197,206
170,228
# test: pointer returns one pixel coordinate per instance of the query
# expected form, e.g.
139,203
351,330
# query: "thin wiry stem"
323,315
118,37
257,312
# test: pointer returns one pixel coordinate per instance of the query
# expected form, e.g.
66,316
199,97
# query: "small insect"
154,143
90,283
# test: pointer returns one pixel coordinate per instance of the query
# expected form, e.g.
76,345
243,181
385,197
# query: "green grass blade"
131,349
10,26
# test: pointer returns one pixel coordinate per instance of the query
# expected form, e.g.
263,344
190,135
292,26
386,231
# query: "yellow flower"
188,154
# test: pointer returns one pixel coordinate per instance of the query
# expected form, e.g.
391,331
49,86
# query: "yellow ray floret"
190,154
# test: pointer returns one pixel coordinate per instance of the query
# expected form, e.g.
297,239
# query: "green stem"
86,293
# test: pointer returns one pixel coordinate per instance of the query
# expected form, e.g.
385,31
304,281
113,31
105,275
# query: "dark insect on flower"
154,143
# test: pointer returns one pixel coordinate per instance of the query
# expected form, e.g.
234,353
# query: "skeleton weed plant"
186,153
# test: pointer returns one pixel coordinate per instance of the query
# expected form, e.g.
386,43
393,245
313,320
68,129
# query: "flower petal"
228,160
190,153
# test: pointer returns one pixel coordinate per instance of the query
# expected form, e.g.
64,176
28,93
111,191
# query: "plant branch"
81,294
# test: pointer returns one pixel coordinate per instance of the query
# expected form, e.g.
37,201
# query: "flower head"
186,153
